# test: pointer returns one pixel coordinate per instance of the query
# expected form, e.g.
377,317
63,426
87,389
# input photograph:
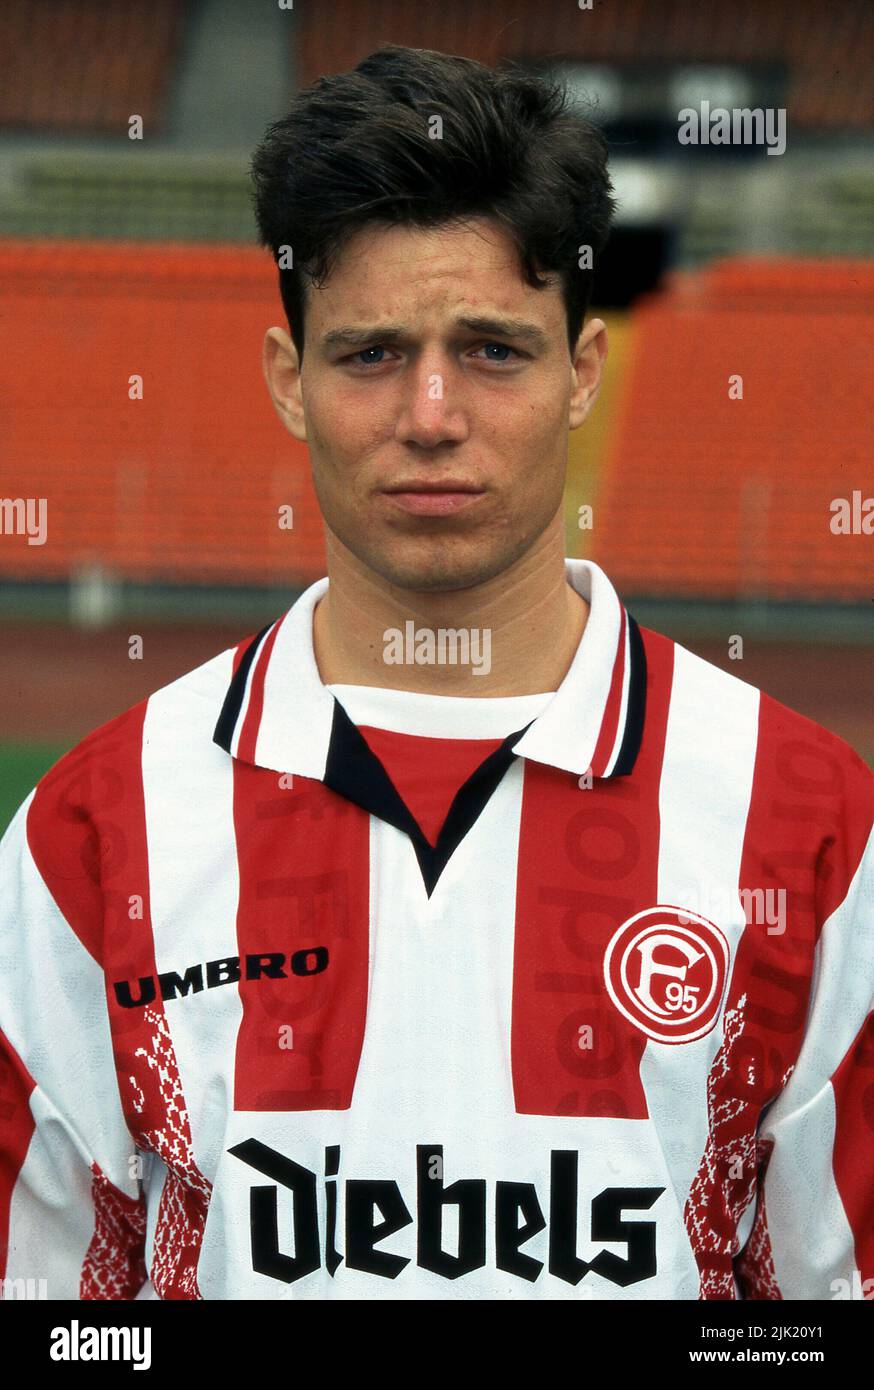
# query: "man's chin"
428,566
447,571
447,560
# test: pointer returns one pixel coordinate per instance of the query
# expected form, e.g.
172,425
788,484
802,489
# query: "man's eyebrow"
361,337
506,328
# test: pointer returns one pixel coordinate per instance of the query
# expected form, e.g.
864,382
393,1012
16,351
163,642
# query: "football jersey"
607,1034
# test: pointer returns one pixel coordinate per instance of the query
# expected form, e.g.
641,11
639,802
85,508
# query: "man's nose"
433,406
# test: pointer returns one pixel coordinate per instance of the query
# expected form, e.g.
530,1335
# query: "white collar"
277,714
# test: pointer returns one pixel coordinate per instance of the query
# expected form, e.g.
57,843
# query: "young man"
454,937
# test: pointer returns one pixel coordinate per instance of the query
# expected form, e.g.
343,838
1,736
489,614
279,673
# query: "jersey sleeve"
812,1236
72,1211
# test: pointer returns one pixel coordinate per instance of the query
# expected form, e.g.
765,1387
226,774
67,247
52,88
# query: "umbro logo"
270,965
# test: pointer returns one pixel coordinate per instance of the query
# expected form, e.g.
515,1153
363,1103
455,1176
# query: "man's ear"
281,366
586,370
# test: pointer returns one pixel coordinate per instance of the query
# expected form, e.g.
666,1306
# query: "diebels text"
517,1208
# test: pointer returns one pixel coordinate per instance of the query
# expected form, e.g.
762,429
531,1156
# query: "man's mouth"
433,499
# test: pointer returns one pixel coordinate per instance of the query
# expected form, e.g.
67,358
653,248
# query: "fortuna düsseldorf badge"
665,970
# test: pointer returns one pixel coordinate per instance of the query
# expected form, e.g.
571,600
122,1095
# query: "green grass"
21,766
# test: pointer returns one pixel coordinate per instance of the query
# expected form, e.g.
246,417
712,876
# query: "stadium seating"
706,496
87,66
184,484
695,494
823,49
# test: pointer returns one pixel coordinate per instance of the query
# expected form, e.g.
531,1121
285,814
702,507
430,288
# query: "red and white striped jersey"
608,1035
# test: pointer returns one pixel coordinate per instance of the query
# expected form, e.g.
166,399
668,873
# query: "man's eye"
377,347
502,347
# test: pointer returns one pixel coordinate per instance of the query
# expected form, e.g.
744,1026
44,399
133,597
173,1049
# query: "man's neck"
528,620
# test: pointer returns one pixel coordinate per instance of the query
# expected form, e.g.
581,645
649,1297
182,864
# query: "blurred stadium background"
122,257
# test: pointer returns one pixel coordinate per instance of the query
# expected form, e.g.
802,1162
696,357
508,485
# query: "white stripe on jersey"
699,868
55,1169
67,1047
189,801
810,1239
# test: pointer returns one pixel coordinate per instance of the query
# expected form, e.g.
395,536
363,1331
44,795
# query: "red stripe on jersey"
74,829
114,1266
610,721
16,1131
588,860
304,865
853,1085
255,707
98,873
799,781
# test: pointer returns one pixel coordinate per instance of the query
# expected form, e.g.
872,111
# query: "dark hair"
355,149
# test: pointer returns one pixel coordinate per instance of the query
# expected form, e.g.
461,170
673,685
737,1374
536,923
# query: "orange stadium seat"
85,65
705,496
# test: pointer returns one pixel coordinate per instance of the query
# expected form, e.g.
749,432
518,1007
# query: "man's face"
436,395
